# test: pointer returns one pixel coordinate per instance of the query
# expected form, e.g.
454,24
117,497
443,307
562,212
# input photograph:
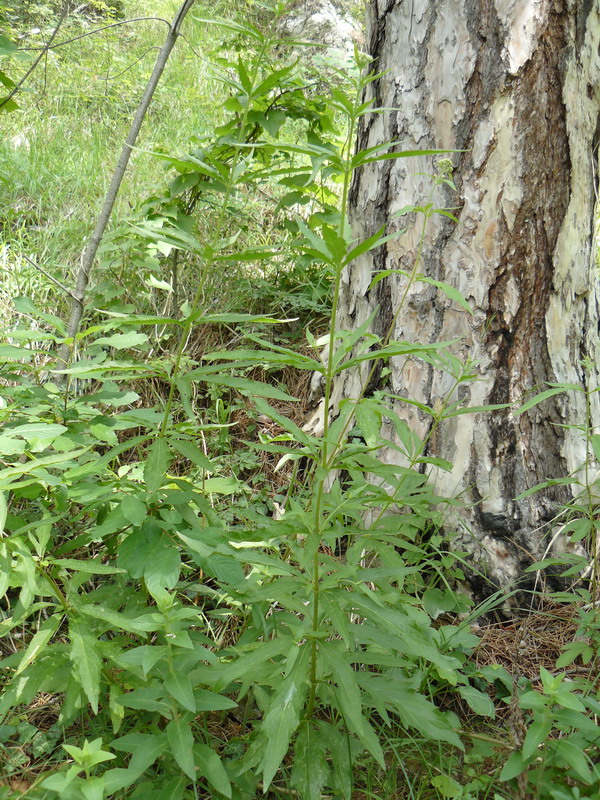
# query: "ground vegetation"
202,597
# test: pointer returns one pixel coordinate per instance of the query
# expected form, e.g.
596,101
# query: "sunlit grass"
57,152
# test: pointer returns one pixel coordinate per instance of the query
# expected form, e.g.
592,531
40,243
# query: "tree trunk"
514,85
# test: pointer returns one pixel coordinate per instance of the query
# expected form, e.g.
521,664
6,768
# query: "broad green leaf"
567,699
236,27
133,319
145,748
19,615
413,637
450,291
211,701
457,412
163,564
416,711
539,398
133,551
221,486
533,700
6,46
193,453
249,387
150,699
368,419
361,158
339,618
86,661
61,781
299,435
252,664
310,771
478,701
513,767
122,341
88,567
148,552
348,689
335,740
10,446
211,767
538,487
447,786
424,351
114,619
178,685
133,509
145,656
98,465
181,742
5,564
93,788
10,351
350,699
574,650
7,105
157,463
283,716
578,529
319,245
173,789
536,734
185,395
155,283
273,120
285,358
36,430
37,466
368,244
38,642
574,757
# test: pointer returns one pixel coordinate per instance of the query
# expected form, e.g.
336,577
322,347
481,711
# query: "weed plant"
188,641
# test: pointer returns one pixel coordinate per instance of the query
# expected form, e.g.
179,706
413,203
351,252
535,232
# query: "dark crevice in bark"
487,79
583,13
421,51
529,255
530,448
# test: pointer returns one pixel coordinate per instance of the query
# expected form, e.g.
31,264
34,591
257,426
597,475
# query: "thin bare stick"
94,32
52,278
44,50
89,254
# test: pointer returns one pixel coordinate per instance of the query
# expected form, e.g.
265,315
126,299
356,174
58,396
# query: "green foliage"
202,636
565,708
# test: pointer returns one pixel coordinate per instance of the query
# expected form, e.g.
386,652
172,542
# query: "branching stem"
89,254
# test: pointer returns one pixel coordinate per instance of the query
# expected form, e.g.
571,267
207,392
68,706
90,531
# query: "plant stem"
44,49
89,254
320,487
192,316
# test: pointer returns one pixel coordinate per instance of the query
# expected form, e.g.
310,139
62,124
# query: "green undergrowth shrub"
196,640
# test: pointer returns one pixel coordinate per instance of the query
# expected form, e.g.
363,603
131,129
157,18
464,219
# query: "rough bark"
514,85
325,22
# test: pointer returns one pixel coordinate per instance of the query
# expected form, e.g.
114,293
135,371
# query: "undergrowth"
200,597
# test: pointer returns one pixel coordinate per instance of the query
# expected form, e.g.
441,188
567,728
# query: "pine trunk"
514,86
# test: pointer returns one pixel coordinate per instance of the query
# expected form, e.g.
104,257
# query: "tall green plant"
145,607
